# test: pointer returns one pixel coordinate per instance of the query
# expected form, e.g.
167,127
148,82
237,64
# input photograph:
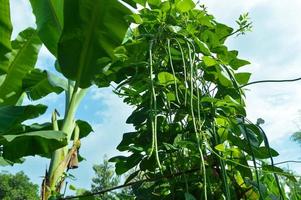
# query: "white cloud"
278,107
107,134
46,60
21,15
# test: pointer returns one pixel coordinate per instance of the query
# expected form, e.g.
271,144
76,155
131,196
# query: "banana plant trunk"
64,158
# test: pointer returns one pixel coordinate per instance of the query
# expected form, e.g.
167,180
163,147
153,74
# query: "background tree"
297,137
17,187
105,177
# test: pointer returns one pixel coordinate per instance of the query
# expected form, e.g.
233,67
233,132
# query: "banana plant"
18,58
82,36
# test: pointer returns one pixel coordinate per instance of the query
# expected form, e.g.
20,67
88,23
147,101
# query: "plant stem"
56,168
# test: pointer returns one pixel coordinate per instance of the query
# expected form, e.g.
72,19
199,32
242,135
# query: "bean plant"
167,59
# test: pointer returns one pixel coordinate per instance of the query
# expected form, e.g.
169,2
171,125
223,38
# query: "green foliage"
22,59
92,30
106,178
184,5
188,100
297,137
12,116
44,143
38,84
17,187
13,134
294,189
5,32
49,19
20,77
244,24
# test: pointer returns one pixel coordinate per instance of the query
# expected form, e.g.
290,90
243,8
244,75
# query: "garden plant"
169,61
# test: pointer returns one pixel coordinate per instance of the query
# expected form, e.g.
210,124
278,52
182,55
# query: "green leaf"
2,78
226,56
131,177
136,19
127,139
224,78
44,143
250,135
49,20
220,147
185,5
201,46
4,162
141,2
171,96
242,78
165,6
209,61
38,84
5,32
138,116
261,187
166,78
210,39
222,31
11,116
189,196
84,127
92,30
72,187
272,168
237,63
175,29
123,164
154,2
22,59
264,152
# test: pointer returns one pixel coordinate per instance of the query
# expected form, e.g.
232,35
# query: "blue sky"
273,48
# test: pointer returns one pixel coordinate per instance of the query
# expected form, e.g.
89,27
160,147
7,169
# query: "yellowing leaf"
220,147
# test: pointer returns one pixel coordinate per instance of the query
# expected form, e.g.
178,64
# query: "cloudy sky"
273,48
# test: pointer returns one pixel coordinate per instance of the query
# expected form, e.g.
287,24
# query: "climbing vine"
189,109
